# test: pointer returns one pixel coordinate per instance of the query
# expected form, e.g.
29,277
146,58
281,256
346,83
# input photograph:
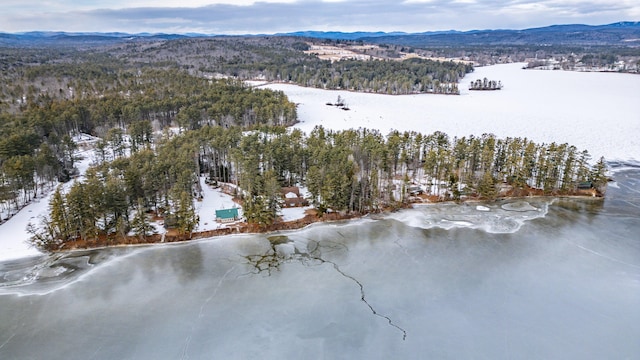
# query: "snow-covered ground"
13,233
593,111
212,200
290,214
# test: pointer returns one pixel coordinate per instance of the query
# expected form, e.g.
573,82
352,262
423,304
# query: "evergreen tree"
186,217
115,139
140,224
599,175
487,186
141,133
272,195
59,217
82,212
568,177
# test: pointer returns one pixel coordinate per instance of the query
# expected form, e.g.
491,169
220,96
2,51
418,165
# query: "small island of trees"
485,84
340,103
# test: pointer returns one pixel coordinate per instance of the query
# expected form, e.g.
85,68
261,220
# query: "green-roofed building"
227,215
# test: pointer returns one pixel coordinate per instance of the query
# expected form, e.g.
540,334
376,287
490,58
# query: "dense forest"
37,147
70,72
348,171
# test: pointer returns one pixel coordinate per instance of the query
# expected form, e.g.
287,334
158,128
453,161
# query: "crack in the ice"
215,291
273,259
406,251
185,350
7,341
95,353
268,262
187,342
363,297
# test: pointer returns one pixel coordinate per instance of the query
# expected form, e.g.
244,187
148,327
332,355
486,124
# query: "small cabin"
292,198
290,191
227,215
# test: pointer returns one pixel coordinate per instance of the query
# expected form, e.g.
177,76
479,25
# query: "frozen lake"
539,279
565,284
598,112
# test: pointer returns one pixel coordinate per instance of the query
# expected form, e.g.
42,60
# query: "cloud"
248,16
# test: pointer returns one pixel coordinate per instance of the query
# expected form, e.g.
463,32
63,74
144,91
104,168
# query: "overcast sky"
272,16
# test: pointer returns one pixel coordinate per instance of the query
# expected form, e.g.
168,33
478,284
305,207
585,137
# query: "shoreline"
236,229
283,82
307,220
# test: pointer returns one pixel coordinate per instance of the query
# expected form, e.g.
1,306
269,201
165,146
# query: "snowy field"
13,232
598,112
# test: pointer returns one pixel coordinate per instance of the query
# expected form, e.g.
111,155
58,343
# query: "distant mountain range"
617,34
621,33
37,38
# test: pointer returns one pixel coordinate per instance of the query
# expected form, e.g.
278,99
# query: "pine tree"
599,175
583,171
568,176
82,211
140,224
186,217
315,184
59,217
487,186
116,142
272,194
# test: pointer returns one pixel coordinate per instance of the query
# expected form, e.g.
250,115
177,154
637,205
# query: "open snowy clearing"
13,233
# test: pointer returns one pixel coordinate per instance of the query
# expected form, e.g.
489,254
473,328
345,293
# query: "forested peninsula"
347,172
162,126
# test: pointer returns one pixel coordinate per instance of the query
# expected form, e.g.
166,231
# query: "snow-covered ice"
597,112
504,219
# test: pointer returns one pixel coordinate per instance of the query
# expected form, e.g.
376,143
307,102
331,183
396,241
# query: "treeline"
485,84
376,76
345,171
74,73
283,59
36,144
363,170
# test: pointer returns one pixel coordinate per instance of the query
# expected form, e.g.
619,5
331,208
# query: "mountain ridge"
623,33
